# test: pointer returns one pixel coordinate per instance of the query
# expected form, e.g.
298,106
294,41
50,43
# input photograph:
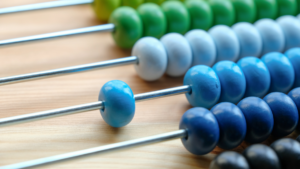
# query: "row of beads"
175,54
282,154
174,16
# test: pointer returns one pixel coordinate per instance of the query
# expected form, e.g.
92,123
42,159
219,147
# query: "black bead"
298,138
261,156
229,160
288,152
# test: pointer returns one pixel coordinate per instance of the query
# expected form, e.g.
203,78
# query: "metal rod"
99,150
99,28
44,5
68,70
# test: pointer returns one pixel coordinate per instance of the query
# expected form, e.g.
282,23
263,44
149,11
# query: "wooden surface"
85,130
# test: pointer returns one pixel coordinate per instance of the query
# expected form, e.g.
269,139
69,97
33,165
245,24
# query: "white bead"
152,58
272,35
203,47
227,43
179,54
249,38
290,26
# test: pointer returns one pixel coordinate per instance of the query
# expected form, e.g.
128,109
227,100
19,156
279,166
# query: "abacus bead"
287,7
232,125
290,26
261,156
205,85
133,3
200,13
229,160
285,113
203,47
178,18
158,2
245,10
281,71
288,152
179,54
152,58
154,20
295,96
232,79
104,8
227,44
129,26
203,130
119,103
266,8
223,12
259,119
249,38
258,79
272,35
298,139
294,57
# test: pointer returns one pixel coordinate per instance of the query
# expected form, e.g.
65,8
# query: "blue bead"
259,119
206,88
295,96
232,125
257,76
203,130
281,71
294,57
119,103
285,113
232,79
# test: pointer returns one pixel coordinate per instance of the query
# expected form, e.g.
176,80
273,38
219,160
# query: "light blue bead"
291,29
257,76
232,79
119,103
281,71
294,57
205,86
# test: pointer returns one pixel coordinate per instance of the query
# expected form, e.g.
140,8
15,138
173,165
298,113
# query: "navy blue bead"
295,96
119,103
258,79
232,125
206,88
281,71
229,160
259,119
294,57
203,131
233,82
285,113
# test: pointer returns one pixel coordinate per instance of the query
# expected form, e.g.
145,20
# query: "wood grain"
85,130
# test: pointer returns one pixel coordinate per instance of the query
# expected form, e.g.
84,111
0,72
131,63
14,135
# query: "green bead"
128,26
223,11
266,9
245,10
104,8
287,7
158,2
178,18
200,13
133,3
154,20
298,5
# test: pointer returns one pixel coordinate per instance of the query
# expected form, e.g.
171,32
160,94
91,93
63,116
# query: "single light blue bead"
259,119
232,79
295,96
285,113
281,71
205,84
232,124
294,57
290,26
203,130
257,76
119,103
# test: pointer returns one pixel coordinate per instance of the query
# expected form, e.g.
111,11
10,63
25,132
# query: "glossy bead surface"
295,96
203,130
249,38
285,113
266,8
228,46
154,20
203,47
258,79
223,12
129,26
232,79
132,3
104,8
294,57
290,26
205,84
232,125
287,7
229,160
281,71
119,103
245,10
261,156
